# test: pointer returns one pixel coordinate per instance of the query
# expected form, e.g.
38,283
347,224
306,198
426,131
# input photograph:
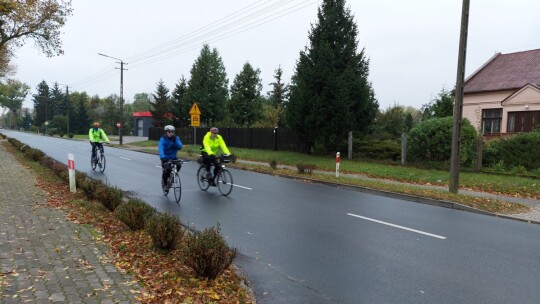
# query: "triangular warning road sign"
194,109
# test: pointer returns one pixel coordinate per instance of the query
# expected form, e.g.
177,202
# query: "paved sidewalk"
43,257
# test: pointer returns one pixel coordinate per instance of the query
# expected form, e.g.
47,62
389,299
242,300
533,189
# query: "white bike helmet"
169,128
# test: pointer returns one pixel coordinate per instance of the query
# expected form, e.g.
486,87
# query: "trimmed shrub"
519,150
34,154
431,140
165,230
207,253
134,213
304,168
91,187
80,177
273,164
109,197
377,149
70,135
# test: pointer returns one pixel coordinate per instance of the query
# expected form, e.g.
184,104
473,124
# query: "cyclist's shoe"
165,188
212,183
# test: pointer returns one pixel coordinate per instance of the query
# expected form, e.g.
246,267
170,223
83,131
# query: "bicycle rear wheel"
224,182
177,186
102,163
201,179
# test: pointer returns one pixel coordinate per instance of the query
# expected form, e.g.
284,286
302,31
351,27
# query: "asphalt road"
309,243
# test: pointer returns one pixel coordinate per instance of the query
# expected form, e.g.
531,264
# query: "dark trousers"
94,146
166,171
210,160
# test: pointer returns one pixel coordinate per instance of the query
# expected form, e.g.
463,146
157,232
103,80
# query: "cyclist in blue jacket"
168,146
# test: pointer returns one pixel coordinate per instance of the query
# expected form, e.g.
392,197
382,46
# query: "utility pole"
121,94
458,100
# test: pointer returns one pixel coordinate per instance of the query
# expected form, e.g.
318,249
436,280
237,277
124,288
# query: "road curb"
406,197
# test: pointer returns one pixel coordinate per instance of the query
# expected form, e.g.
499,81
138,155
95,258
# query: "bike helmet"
96,124
169,128
214,130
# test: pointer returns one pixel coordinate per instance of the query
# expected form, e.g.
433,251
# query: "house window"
524,121
491,121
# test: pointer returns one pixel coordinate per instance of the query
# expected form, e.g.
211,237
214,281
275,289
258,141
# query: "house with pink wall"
503,95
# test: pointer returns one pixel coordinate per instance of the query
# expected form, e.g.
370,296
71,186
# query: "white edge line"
125,158
242,187
397,226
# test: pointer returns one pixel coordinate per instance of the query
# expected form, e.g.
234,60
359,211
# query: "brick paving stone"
41,252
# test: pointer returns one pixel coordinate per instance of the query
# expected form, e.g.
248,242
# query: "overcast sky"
412,45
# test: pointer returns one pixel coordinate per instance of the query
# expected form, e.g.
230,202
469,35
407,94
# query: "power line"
228,34
213,32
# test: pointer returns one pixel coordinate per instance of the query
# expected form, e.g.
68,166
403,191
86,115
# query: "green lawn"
493,183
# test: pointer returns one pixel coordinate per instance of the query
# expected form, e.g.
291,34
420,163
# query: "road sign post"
195,113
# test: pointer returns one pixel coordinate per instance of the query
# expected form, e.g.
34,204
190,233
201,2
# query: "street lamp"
121,93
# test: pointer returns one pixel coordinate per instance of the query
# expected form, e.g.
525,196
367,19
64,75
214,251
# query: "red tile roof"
506,72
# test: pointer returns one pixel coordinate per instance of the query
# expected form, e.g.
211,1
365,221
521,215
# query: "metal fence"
278,139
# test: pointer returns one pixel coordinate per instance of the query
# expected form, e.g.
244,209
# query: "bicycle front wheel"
93,164
201,179
177,187
224,182
102,162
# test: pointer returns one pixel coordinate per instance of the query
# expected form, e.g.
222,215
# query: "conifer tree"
160,106
279,91
208,86
180,105
41,103
245,106
330,94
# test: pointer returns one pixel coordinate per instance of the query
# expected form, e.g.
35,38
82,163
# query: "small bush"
273,164
431,140
34,154
58,167
61,134
304,168
518,170
111,198
80,177
165,230
91,187
207,253
134,213
70,135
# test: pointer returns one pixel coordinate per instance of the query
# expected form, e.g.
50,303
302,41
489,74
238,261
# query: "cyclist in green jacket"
211,144
97,136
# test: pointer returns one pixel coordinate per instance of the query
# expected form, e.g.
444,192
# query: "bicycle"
101,161
223,180
173,181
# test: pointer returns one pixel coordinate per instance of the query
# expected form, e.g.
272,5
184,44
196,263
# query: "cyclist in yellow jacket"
97,136
211,144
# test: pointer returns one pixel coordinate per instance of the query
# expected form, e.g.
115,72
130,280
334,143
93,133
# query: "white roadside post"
71,170
338,160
